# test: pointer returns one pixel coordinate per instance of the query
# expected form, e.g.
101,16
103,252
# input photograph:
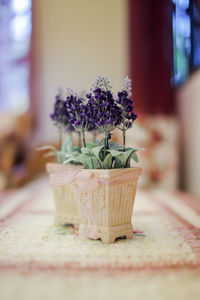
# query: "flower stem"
105,143
79,140
83,136
60,137
124,139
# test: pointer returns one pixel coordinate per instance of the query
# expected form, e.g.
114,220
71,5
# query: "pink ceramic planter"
64,196
106,208
100,200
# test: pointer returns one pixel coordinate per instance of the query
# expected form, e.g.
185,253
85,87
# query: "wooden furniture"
14,133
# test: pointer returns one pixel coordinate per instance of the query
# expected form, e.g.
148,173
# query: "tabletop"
39,260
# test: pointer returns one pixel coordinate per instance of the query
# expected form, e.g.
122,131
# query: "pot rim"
52,167
109,173
105,173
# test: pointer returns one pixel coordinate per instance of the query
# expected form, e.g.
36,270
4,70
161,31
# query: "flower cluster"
99,110
102,83
60,116
127,86
126,104
105,111
80,114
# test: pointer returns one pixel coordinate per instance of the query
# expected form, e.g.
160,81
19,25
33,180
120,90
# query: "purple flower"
80,113
104,111
126,105
60,115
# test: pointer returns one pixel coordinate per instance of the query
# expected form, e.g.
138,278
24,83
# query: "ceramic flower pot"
105,200
64,193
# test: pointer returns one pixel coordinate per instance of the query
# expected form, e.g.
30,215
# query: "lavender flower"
80,114
101,83
126,104
105,111
127,86
106,114
98,110
59,115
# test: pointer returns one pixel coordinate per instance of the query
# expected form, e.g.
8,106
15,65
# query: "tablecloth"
39,260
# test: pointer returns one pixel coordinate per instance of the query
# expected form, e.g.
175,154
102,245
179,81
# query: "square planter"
64,194
106,204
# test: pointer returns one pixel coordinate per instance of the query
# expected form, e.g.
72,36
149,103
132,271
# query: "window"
186,38
15,40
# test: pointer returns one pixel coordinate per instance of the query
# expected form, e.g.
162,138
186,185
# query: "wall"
189,111
76,41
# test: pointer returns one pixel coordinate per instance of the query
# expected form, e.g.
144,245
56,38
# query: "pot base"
63,219
108,235
64,194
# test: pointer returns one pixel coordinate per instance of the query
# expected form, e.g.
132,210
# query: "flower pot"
64,193
105,200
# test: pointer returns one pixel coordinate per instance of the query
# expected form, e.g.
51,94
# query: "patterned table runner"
164,253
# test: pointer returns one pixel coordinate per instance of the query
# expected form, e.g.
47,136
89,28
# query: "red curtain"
151,55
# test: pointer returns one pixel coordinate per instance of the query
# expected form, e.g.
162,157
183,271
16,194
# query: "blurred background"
48,44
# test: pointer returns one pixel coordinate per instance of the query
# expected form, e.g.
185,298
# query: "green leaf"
118,163
76,149
135,157
129,155
50,153
66,154
94,162
47,147
74,153
85,160
71,159
91,145
114,152
87,151
88,160
63,156
107,163
122,159
114,145
67,145
60,156
96,150
101,155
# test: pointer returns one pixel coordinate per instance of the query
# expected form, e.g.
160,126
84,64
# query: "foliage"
61,155
94,157
97,111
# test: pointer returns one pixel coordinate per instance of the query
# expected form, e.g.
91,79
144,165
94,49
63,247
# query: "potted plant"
61,174
65,203
105,188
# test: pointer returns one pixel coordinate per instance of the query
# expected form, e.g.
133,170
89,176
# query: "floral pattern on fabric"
158,135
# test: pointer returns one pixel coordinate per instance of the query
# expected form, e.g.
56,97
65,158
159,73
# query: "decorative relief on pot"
99,196
130,191
116,196
84,198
